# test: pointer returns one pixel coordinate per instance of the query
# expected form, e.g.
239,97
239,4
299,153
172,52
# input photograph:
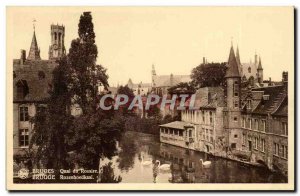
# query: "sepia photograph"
150,98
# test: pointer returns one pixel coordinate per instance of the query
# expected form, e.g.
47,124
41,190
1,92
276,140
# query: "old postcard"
150,98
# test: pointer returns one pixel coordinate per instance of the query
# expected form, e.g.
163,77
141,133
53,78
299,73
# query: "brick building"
32,78
245,124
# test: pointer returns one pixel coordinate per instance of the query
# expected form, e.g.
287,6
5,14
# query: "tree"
87,75
209,75
125,90
93,134
182,88
52,122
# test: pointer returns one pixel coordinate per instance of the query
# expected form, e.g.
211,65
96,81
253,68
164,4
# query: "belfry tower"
57,47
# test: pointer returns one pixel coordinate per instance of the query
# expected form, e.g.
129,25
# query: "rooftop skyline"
174,39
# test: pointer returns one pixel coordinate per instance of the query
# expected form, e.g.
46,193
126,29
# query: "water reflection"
144,159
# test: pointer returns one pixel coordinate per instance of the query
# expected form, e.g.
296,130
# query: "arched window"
22,89
59,38
249,69
55,36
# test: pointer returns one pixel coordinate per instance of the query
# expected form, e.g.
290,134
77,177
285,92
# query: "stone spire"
34,52
153,70
238,60
232,65
259,65
238,55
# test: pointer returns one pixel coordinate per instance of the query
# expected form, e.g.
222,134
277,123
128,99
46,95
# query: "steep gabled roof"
259,65
34,52
165,80
232,66
276,95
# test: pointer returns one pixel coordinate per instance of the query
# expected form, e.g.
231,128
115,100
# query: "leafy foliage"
182,88
209,75
52,122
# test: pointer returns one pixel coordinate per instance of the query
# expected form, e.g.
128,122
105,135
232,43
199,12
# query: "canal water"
138,152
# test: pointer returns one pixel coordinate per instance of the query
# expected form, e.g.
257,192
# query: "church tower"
232,112
34,52
153,74
57,47
260,72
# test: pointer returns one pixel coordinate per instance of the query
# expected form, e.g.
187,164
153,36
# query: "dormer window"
41,75
22,89
249,104
266,97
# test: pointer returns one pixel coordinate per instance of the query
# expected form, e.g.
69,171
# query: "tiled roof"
38,78
232,67
166,81
176,125
202,100
276,95
282,109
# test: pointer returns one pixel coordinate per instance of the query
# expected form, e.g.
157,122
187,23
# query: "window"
235,136
276,149
190,133
236,103
210,118
203,133
255,143
250,123
203,117
24,138
233,145
235,118
244,138
244,122
255,124
248,104
41,75
180,133
24,113
284,128
263,125
284,152
236,88
263,145
206,134
249,69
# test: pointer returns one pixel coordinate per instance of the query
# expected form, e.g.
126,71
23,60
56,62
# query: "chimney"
270,81
171,80
285,78
23,56
203,61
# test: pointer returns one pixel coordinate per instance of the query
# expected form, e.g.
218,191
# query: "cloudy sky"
174,39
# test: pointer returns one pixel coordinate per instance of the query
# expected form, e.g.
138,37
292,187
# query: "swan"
146,162
164,167
205,164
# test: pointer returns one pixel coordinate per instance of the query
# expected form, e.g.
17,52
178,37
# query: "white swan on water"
206,164
146,162
163,166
